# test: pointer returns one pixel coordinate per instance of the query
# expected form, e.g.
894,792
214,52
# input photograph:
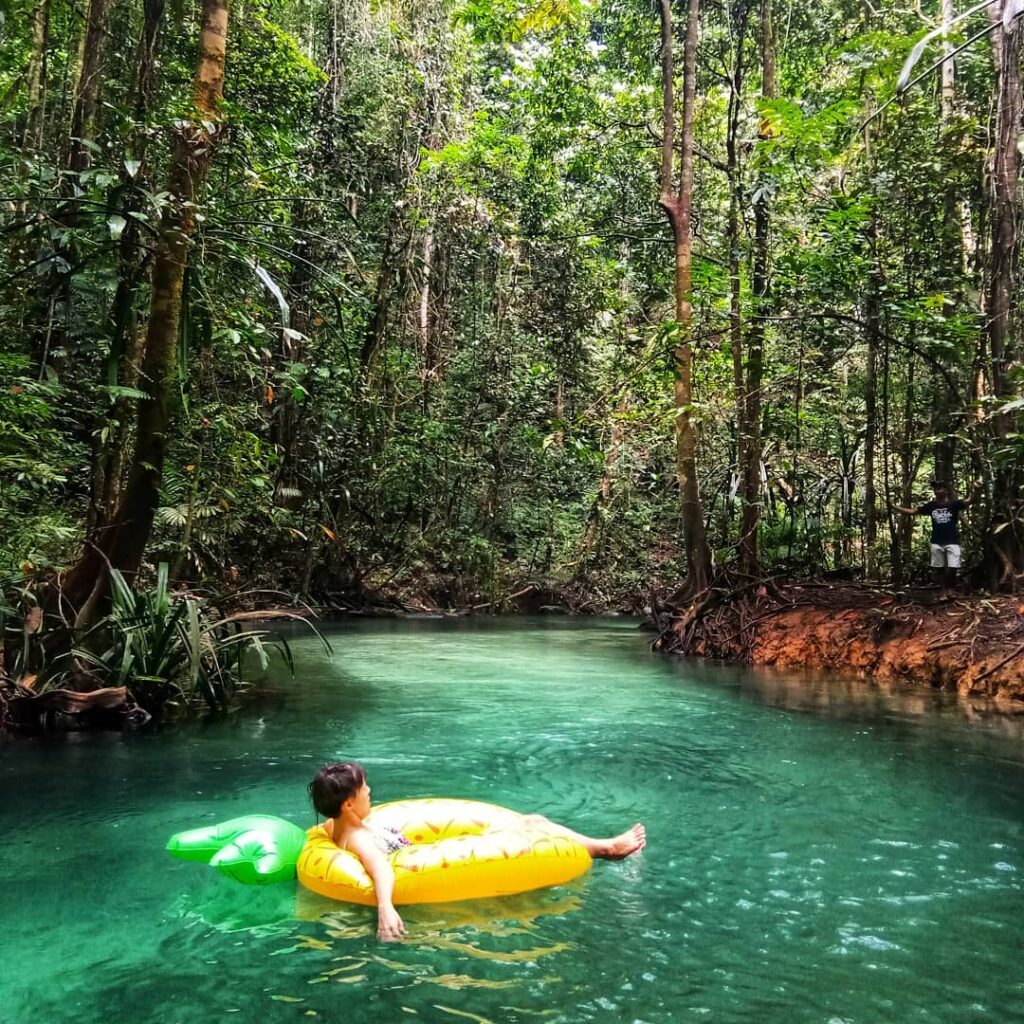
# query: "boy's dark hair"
334,784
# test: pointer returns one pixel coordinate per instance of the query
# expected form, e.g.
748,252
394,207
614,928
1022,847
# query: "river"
819,851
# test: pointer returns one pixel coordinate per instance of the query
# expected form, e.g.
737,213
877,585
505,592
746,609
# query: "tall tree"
952,255
762,300
88,81
37,69
733,173
872,329
1005,544
677,202
125,542
122,367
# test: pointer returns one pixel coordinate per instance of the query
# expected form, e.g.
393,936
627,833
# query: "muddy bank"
972,646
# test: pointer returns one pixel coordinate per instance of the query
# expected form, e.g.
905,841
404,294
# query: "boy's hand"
390,927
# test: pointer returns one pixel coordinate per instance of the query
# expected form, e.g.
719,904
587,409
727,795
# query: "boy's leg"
633,840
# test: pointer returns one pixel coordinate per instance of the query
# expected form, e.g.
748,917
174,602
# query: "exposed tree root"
22,708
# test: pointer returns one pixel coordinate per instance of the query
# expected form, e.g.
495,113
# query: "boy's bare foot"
618,847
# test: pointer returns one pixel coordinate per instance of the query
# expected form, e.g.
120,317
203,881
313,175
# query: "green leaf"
119,391
195,652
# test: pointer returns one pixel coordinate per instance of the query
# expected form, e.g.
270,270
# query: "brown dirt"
973,646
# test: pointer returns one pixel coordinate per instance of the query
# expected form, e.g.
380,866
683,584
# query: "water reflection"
853,699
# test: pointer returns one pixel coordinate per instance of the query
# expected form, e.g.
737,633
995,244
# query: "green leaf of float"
132,167
116,223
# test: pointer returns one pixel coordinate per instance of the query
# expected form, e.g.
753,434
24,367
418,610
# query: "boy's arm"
906,511
378,866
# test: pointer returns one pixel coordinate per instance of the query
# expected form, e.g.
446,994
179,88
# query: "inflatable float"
459,850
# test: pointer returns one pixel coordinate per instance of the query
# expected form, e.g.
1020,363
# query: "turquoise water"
820,852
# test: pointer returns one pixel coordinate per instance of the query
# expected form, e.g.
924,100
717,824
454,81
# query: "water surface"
819,851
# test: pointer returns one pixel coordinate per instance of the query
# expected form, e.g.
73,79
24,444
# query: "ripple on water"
843,864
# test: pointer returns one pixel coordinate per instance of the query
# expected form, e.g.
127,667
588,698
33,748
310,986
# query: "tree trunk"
424,315
377,327
908,473
678,206
733,236
1004,554
872,304
124,544
88,78
122,368
607,485
287,420
37,69
952,255
762,298
84,104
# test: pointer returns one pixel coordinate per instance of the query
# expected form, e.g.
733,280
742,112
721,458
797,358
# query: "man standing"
944,510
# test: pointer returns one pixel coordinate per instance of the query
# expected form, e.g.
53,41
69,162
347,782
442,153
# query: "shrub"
167,650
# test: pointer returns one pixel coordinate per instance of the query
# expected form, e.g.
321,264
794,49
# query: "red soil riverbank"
973,646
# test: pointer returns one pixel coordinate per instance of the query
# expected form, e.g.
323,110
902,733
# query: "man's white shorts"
944,555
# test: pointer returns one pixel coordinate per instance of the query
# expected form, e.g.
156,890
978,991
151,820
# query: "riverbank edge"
972,646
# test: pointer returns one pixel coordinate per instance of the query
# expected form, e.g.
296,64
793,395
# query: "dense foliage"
427,321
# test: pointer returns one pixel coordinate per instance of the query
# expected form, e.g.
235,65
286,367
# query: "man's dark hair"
334,784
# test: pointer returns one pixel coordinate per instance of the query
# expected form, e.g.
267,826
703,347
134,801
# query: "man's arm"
906,511
975,490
